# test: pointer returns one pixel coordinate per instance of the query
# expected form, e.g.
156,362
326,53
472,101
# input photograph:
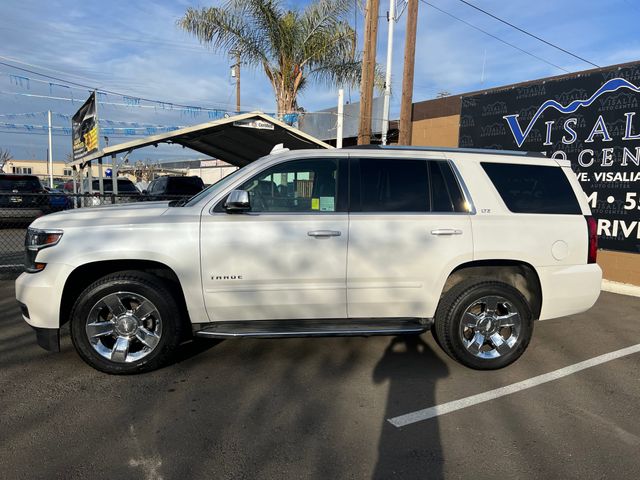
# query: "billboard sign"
84,129
590,119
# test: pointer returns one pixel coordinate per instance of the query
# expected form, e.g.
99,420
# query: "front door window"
305,186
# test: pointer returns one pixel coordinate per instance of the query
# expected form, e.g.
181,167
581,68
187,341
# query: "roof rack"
450,150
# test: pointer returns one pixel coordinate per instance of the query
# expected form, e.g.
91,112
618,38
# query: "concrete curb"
621,288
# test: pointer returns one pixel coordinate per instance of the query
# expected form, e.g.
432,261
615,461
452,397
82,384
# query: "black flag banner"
84,129
591,119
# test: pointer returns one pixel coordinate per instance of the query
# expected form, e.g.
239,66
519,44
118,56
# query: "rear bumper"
569,290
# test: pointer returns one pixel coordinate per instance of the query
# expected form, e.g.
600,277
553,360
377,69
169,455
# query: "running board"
314,328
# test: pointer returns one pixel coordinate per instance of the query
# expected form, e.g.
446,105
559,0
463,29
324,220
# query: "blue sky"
135,48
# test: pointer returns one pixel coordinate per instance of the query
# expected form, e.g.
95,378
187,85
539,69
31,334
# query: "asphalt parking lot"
319,408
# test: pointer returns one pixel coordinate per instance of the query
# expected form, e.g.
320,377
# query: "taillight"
592,228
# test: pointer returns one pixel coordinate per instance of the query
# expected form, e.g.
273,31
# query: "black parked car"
174,187
22,199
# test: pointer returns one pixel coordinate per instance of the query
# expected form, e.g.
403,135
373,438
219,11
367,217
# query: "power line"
495,37
10,59
529,33
69,82
164,106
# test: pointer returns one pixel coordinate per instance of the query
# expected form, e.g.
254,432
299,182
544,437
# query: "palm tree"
293,47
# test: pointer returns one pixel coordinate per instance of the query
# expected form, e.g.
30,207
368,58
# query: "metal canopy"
237,140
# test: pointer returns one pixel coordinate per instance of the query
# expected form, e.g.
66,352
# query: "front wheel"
484,325
126,322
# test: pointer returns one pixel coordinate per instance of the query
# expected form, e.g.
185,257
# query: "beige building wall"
436,132
620,266
38,167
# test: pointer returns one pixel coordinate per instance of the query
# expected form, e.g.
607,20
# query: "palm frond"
320,17
294,47
226,31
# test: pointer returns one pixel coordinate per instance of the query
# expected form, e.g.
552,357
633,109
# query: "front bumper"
40,294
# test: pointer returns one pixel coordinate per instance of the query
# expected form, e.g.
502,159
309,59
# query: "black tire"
434,334
146,289
460,341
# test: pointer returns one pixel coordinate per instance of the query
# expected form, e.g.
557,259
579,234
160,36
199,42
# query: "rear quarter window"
533,188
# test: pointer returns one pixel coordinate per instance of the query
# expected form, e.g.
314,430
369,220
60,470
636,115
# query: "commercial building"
38,167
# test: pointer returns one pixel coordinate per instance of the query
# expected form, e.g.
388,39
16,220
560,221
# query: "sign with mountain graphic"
591,119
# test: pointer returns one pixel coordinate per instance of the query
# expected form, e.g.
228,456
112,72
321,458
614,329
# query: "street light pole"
387,79
340,120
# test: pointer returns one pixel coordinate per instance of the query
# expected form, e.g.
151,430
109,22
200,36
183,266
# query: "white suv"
372,241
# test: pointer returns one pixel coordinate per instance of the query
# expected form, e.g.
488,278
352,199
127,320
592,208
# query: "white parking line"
436,411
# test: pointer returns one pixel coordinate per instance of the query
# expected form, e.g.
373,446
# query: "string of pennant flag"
129,131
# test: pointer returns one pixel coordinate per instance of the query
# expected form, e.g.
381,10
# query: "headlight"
35,241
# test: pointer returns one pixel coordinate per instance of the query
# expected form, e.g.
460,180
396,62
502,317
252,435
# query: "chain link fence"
18,210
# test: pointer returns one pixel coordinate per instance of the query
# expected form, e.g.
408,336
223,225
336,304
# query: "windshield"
211,189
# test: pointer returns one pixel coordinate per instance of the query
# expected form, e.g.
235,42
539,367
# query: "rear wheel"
126,322
484,324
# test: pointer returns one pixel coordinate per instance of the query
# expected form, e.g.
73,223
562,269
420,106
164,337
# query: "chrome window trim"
463,188
273,160
408,214
259,214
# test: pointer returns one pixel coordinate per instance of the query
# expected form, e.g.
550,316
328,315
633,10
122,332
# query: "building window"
67,172
22,170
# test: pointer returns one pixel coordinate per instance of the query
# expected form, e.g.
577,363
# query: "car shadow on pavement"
193,348
412,370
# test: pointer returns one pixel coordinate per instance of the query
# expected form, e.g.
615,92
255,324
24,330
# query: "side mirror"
237,202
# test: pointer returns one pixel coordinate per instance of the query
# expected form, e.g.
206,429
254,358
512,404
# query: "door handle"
446,231
324,233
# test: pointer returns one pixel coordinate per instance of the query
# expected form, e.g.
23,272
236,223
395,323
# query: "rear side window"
394,185
533,188
407,185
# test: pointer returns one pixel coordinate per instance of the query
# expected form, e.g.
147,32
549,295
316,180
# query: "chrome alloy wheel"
490,327
124,327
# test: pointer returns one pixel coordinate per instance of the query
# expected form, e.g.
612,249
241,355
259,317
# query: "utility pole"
368,71
407,75
391,19
236,73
